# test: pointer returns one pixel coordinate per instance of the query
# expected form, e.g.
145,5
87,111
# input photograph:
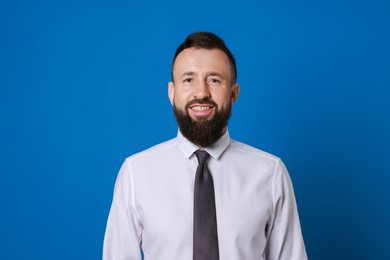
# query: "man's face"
202,74
203,89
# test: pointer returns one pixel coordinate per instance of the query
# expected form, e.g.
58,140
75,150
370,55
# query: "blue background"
84,85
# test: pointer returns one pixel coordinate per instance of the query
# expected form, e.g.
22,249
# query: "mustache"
204,101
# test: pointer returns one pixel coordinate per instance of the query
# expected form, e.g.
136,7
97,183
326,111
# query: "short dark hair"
208,41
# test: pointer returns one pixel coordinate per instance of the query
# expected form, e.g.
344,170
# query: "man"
175,201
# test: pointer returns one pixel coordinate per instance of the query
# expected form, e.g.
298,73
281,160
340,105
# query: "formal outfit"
153,204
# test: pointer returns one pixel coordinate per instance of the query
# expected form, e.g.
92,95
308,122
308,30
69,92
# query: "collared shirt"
152,208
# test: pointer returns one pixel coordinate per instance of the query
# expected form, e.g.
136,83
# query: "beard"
203,132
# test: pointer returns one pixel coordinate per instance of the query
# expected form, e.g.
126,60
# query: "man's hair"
208,41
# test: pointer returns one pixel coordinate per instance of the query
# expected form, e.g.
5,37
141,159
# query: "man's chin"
202,130
201,118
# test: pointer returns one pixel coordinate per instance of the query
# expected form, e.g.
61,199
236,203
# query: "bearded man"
202,195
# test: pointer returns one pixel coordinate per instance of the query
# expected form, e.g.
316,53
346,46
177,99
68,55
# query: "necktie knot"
202,156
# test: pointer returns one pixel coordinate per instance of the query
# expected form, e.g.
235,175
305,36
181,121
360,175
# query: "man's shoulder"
155,150
251,151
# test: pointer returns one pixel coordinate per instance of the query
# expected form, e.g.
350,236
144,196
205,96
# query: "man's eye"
215,81
187,80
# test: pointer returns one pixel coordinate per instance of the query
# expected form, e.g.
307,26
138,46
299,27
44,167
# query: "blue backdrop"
84,85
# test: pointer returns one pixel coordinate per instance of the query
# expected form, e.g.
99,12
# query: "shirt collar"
215,150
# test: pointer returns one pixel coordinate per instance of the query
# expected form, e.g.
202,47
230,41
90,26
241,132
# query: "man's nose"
202,90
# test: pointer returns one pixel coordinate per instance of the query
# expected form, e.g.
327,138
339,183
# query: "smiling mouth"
201,108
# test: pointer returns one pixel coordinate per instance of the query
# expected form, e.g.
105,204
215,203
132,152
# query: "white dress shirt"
152,208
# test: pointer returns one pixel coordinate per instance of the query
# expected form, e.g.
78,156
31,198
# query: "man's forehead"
199,57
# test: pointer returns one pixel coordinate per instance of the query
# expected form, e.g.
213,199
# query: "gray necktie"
205,220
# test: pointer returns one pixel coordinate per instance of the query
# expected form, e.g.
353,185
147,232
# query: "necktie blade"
205,220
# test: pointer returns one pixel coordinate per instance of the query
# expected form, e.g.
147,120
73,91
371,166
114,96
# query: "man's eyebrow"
187,73
212,73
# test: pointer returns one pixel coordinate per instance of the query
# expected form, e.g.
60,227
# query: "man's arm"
122,240
285,241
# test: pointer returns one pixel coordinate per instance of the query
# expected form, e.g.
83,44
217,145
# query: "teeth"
199,108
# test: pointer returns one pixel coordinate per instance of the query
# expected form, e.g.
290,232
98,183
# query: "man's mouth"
200,108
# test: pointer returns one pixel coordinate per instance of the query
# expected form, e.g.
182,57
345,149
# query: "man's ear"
234,93
171,91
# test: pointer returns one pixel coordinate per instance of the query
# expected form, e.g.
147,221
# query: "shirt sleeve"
285,241
122,240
